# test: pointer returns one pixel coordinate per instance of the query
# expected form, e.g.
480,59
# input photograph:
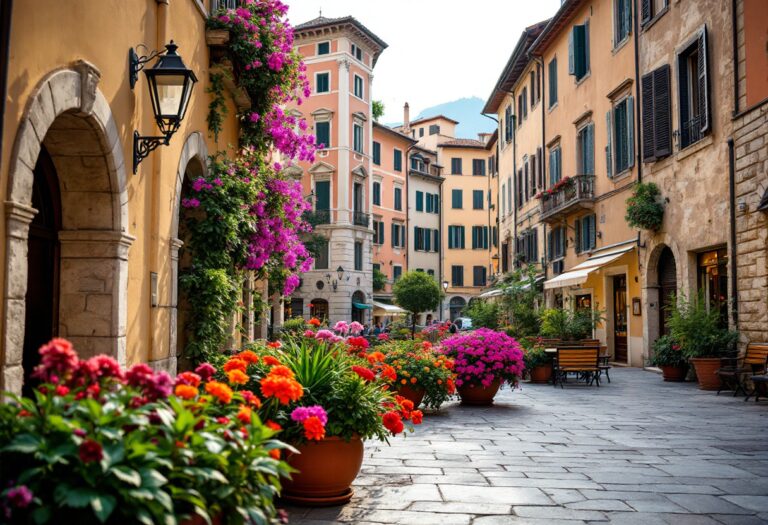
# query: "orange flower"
388,372
406,404
375,357
237,377
274,453
186,391
219,390
314,322
273,426
403,381
244,414
248,356
284,389
281,371
417,416
313,428
451,386
270,360
235,363
413,380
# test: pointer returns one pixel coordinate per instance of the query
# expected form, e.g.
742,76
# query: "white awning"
387,309
579,273
493,292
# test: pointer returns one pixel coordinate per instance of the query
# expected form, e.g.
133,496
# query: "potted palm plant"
668,355
703,339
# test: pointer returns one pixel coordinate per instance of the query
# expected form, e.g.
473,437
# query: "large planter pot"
705,372
198,520
541,374
478,395
326,468
415,395
674,373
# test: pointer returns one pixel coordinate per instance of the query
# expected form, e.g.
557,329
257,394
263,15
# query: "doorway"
456,306
319,308
41,318
620,318
667,271
358,307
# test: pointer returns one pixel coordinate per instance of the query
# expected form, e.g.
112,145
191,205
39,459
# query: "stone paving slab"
637,451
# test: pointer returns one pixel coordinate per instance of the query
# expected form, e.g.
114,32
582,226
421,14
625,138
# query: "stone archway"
193,163
69,116
654,290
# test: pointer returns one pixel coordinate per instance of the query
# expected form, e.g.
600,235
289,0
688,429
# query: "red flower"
358,343
90,451
62,390
314,322
363,372
393,422
57,358
205,371
189,379
270,360
417,416
313,428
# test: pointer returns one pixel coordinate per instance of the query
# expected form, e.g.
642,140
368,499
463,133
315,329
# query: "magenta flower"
355,328
324,335
342,327
19,497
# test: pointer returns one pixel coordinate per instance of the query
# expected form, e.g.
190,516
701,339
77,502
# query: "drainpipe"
6,7
734,251
638,119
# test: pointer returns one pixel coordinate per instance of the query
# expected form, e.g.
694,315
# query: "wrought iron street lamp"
170,85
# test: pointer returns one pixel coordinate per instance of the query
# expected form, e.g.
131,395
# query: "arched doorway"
319,308
456,305
667,273
358,313
41,319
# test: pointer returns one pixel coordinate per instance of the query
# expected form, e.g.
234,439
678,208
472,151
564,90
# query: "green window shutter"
474,237
436,207
398,160
553,82
394,234
662,112
577,230
436,240
381,233
585,48
427,239
609,146
630,131
323,195
591,149
572,51
485,237
450,237
627,16
376,153
419,201
593,232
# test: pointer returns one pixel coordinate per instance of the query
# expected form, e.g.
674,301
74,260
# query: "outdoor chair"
753,362
604,358
582,361
760,385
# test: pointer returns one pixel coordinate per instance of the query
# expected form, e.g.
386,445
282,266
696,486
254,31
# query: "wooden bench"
753,362
581,360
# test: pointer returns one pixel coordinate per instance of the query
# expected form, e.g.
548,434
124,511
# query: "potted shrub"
668,355
100,444
423,374
483,360
644,210
537,362
345,400
703,339
569,325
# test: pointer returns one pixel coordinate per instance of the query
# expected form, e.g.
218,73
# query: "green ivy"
217,108
644,209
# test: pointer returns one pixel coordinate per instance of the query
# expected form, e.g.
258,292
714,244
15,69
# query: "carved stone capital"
89,81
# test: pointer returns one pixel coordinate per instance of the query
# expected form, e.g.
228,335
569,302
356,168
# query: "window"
527,246
398,160
457,276
585,150
532,76
431,273
378,232
495,236
649,9
323,134
455,166
713,281
622,21
478,167
398,235
479,237
421,132
419,201
323,82
656,114
503,200
357,131
578,51
398,199
509,128
477,199
322,195
418,238
556,243
524,184
358,86
357,52
620,150
554,166
456,199
585,233
693,85
321,256
509,195
377,193
323,48
553,82
432,203
532,161
479,274
435,240
540,168
377,153
397,271
434,129
456,237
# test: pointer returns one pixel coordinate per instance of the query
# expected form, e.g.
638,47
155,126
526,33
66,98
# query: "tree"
377,110
379,280
520,295
416,292
484,314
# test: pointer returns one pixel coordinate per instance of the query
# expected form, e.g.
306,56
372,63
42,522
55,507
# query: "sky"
439,50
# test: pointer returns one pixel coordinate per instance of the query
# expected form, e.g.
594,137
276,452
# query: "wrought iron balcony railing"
576,191
360,218
318,217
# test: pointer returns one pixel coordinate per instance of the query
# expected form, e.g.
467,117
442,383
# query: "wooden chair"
760,386
581,360
604,358
753,362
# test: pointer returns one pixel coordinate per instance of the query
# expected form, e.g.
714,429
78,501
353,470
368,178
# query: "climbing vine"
217,109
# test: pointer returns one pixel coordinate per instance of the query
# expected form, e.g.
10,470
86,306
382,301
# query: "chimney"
406,118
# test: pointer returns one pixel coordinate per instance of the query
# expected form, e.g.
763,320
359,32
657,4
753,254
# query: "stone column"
345,149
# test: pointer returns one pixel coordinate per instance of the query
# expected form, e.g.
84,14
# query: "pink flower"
324,335
19,497
205,371
57,359
309,333
300,414
341,327
355,327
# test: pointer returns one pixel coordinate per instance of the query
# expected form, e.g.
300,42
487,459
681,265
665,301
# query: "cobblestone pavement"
636,451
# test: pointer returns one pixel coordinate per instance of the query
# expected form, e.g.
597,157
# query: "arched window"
457,304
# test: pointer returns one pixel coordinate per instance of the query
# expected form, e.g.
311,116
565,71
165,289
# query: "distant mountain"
467,112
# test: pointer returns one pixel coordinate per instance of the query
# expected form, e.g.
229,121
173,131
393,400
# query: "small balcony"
566,196
318,217
360,218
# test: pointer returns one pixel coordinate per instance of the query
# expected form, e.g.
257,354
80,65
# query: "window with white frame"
359,87
357,136
323,48
323,82
620,150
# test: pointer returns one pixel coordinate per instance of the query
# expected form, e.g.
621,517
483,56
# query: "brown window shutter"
703,82
646,86
662,112
646,11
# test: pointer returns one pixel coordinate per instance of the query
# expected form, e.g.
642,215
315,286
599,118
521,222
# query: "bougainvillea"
482,356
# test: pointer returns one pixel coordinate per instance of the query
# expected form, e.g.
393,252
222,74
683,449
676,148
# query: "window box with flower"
565,195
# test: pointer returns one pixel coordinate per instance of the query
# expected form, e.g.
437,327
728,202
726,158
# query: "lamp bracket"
136,63
143,146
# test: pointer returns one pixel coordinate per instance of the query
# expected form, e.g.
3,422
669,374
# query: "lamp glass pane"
170,92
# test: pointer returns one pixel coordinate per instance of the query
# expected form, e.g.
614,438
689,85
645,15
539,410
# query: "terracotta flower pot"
478,395
326,468
705,372
415,395
198,520
674,373
541,374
